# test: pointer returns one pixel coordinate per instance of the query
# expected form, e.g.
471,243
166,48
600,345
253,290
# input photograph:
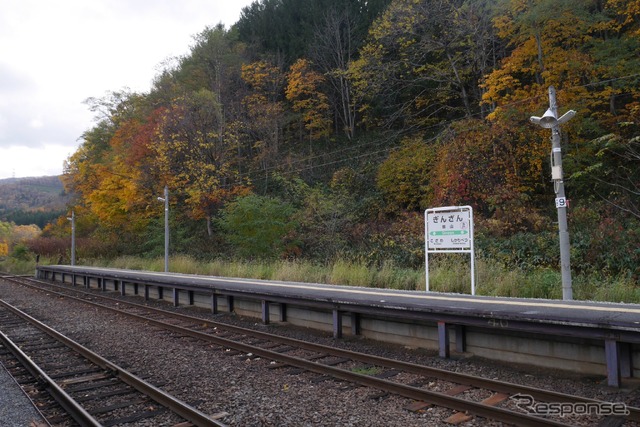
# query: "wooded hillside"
37,200
323,129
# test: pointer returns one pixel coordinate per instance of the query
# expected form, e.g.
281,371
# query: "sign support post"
449,230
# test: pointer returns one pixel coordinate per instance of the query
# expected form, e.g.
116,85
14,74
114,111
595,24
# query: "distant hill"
32,200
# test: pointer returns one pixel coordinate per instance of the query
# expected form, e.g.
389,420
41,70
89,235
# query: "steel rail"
180,408
440,399
459,378
75,410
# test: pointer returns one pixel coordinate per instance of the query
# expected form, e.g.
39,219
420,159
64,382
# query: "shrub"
21,252
258,226
604,241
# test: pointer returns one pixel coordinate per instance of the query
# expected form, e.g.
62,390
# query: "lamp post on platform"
551,121
73,237
165,199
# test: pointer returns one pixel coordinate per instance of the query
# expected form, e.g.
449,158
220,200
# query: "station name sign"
448,230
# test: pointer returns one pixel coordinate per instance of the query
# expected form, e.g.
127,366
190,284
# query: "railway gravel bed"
251,394
15,409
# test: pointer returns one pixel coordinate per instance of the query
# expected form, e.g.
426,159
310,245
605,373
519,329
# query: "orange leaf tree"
483,165
106,170
585,50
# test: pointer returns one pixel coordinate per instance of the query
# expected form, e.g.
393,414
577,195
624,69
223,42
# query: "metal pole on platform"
165,199
551,121
73,237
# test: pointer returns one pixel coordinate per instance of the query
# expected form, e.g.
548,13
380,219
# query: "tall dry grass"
449,274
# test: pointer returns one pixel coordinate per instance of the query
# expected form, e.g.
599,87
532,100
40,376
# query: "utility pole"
551,121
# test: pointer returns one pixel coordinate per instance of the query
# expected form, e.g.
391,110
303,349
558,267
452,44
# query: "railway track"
71,385
505,402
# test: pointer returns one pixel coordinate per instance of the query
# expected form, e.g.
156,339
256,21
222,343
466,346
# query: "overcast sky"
56,54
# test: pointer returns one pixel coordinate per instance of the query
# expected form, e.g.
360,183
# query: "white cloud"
28,161
56,54
36,123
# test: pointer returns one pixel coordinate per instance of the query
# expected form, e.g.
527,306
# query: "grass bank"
447,274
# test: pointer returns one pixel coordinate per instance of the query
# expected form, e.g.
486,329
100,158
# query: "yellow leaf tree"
568,44
422,62
264,109
585,49
195,154
304,92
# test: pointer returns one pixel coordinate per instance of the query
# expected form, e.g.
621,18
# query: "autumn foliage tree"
264,109
484,165
107,171
422,62
12,236
406,177
304,92
570,45
196,154
5,237
582,48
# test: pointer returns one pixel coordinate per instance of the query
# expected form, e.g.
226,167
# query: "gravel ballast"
15,408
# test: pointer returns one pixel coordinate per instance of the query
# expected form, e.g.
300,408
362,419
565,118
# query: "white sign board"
449,229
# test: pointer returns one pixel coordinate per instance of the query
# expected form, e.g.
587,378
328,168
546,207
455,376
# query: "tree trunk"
209,228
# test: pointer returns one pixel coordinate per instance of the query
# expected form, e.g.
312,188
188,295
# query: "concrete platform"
616,317
580,336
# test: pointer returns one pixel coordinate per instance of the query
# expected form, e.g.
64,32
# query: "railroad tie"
493,400
418,406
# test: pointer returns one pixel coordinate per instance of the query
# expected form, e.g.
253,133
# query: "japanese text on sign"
448,230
